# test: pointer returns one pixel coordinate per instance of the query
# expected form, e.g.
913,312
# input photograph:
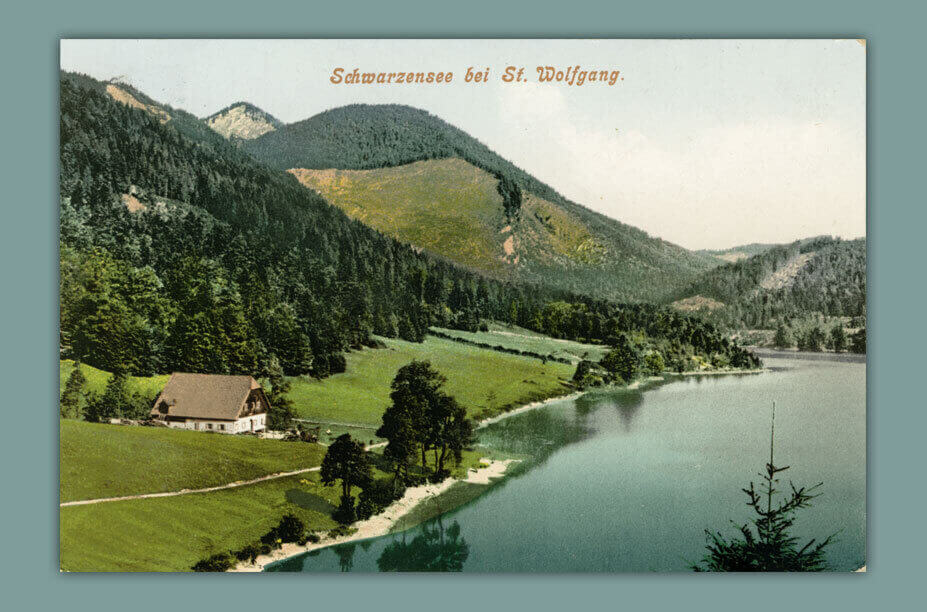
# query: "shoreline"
380,524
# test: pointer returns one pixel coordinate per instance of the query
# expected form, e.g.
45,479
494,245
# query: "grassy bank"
173,533
513,338
486,382
113,460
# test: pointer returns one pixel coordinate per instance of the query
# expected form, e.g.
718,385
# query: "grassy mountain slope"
822,275
414,176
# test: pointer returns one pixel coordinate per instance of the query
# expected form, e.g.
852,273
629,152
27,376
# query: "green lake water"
627,481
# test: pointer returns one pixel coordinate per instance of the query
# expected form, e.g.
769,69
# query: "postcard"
495,306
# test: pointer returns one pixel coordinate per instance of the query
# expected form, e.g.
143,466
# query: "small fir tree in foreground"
766,544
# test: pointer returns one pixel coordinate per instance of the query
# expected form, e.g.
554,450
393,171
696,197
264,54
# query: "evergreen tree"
73,388
838,339
281,414
113,402
766,544
345,460
783,338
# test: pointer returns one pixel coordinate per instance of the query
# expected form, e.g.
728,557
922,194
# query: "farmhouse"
209,402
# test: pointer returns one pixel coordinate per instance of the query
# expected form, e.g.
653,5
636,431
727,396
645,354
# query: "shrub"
219,562
248,553
313,538
290,528
365,508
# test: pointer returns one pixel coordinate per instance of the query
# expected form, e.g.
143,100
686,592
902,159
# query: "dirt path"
231,485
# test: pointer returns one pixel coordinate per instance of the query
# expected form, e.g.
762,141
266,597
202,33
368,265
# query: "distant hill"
243,121
739,252
413,176
815,276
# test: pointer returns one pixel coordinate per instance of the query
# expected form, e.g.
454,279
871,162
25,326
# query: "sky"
705,143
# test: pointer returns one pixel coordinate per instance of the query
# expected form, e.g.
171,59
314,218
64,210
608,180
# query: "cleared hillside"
453,208
515,225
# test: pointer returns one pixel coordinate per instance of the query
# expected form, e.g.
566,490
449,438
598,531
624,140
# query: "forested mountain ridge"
180,252
739,252
518,229
816,276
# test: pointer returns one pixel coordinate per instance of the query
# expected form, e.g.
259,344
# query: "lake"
628,481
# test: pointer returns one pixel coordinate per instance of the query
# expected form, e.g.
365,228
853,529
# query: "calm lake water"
626,481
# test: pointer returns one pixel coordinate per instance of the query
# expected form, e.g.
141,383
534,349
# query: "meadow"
100,460
147,386
511,337
173,533
484,381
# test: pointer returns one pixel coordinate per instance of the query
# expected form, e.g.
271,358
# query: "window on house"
208,425
222,427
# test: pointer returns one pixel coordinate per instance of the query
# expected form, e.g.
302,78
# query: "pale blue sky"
706,143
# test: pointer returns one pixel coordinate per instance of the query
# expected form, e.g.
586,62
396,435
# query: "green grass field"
486,382
114,460
173,533
520,339
96,380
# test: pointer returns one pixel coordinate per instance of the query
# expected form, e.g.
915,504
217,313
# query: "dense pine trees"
227,266
830,280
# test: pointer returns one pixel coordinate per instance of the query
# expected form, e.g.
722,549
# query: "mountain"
413,176
819,276
242,121
181,252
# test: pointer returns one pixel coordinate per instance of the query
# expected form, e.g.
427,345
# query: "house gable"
209,397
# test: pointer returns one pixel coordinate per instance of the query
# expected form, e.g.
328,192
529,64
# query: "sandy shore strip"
380,524
528,407
722,372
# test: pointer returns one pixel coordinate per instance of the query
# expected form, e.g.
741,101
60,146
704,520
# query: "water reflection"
345,554
434,549
538,433
626,403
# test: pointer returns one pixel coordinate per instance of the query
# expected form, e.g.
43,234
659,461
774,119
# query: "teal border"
28,252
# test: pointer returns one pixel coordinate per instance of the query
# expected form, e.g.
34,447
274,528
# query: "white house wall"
242,425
